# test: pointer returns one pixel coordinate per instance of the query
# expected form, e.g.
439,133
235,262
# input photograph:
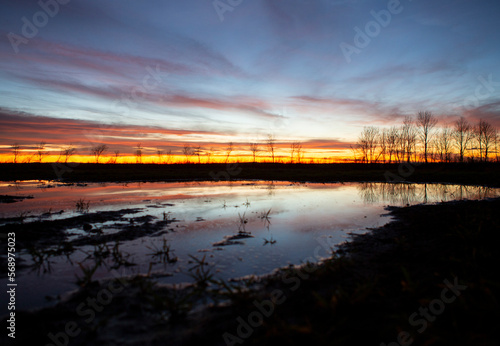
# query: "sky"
205,73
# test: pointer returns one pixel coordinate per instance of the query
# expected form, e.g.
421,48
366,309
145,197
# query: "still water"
283,223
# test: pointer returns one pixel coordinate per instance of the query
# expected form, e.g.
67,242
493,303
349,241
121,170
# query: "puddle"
240,228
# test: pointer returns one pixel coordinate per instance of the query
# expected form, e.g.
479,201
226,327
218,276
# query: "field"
478,173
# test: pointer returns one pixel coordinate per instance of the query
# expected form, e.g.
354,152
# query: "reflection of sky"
237,79
287,200
306,220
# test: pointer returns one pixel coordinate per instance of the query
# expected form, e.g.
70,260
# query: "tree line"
420,139
416,139
190,153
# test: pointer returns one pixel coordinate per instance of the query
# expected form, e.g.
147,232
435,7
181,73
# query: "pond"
158,229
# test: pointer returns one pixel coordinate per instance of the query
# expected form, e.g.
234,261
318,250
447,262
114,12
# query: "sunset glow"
167,74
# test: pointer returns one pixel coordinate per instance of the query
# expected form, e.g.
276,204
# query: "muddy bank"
13,199
382,286
47,238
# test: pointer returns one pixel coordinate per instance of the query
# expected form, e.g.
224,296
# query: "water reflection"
270,224
409,194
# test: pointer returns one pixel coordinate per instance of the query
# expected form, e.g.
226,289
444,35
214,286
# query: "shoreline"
389,271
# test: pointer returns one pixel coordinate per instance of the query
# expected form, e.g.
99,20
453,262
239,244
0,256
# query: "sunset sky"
203,72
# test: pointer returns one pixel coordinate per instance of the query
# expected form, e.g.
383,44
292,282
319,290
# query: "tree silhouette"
117,154
40,152
68,152
392,142
138,153
444,144
187,151
463,135
254,148
485,136
209,154
197,152
367,143
409,137
98,150
271,145
425,122
295,148
15,151
159,152
229,149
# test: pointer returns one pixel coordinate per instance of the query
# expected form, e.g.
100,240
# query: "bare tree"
292,149
382,142
15,151
497,145
392,142
367,143
68,152
296,148
463,135
409,137
115,158
444,144
486,137
425,123
271,145
209,153
40,152
138,153
98,150
229,149
197,152
60,156
254,148
187,151
159,152
298,151
168,155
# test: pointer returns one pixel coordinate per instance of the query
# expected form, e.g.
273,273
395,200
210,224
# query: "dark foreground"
428,278
477,173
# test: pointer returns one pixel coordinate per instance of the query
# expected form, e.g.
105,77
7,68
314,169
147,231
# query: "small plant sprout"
266,218
120,257
201,271
269,241
164,254
82,206
88,273
23,215
267,222
241,226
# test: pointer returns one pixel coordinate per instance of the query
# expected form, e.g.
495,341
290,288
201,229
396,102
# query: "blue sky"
269,66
